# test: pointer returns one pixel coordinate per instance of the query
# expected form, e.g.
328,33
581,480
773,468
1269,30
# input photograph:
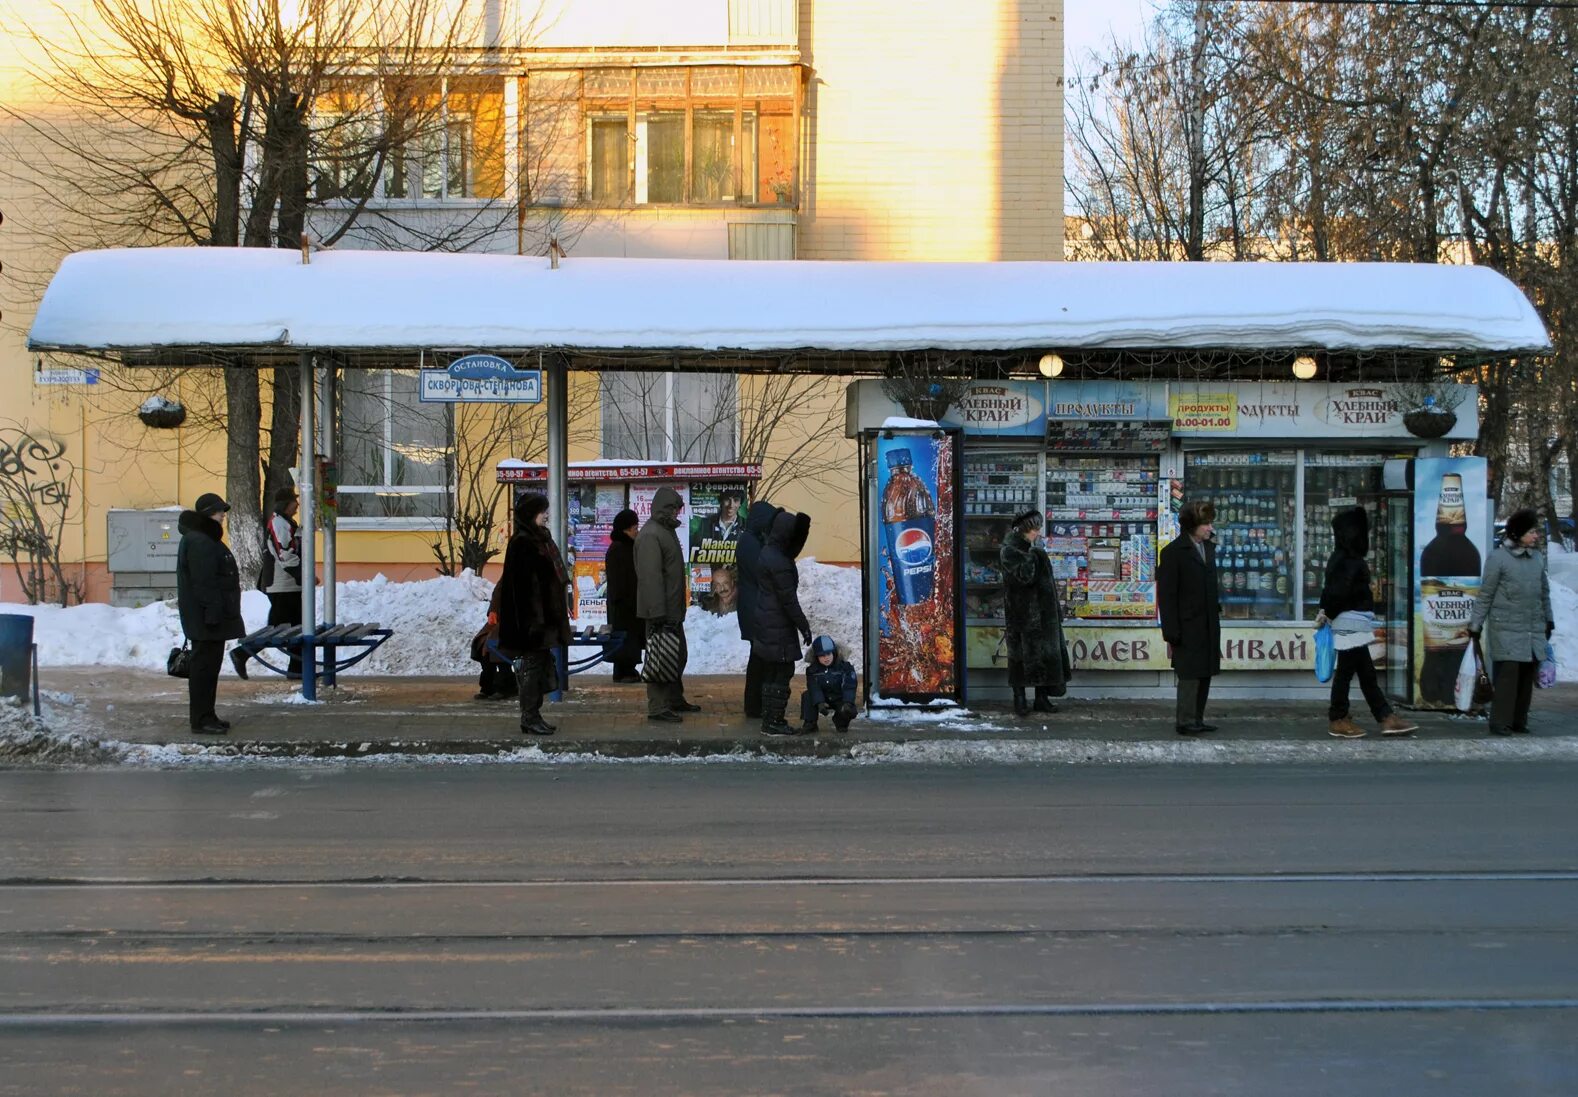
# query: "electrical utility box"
141,555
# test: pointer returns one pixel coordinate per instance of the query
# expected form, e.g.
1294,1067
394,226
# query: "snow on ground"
433,622
1564,608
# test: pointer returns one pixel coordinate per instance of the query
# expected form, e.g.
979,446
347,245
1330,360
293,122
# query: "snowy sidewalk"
435,717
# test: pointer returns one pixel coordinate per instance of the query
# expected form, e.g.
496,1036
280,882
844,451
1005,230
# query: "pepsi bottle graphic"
909,524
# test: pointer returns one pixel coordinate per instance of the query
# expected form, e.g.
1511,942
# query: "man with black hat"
208,593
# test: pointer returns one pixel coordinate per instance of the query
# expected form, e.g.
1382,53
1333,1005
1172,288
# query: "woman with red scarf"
534,610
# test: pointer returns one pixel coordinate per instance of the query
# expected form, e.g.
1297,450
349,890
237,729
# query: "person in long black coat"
1188,601
208,595
747,553
1033,617
780,632
622,615
534,609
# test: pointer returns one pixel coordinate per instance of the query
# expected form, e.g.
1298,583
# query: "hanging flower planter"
1430,407
162,412
1429,421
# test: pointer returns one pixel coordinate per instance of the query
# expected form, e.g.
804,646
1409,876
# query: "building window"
396,457
711,135
669,416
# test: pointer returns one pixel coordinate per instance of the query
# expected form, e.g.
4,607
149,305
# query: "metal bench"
365,636
605,642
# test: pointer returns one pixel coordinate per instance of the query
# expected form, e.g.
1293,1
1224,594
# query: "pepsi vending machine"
914,570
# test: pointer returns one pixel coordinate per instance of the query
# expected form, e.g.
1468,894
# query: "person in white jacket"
282,542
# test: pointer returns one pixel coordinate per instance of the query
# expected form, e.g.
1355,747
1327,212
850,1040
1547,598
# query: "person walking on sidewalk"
1033,617
780,622
660,600
622,587
1514,605
208,595
534,612
1189,604
747,555
1348,605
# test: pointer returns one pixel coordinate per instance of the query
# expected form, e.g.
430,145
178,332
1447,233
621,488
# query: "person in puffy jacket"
830,685
747,555
534,610
780,631
1514,607
208,595
1348,605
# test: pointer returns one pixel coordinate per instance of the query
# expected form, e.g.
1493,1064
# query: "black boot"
774,702
1021,708
530,679
1043,702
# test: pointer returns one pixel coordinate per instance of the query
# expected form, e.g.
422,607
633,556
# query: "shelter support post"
557,379
306,488
328,417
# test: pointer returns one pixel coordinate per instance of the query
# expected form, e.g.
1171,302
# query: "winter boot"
530,678
774,702
1021,707
1043,702
810,727
1345,728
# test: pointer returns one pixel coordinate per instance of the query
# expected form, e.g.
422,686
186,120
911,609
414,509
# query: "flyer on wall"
717,518
1451,520
920,630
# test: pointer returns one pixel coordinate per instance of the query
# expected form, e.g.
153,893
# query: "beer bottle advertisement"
919,634
1451,521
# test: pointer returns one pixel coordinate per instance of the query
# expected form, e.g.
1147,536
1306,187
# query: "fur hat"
626,519
1520,523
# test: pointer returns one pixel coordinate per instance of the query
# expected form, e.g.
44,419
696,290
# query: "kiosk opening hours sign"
481,379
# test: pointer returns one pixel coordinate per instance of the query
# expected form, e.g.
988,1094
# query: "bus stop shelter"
330,310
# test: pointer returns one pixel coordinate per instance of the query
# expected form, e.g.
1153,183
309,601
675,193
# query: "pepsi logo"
912,546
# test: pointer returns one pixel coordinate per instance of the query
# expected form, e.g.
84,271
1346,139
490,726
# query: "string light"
1304,367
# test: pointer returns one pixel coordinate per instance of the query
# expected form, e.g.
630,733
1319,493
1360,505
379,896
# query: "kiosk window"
1256,516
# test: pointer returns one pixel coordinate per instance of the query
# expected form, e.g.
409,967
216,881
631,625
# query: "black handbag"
179,662
1484,691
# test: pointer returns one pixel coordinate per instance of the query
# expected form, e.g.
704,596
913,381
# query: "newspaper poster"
717,518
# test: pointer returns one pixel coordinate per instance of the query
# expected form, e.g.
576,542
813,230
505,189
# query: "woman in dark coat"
1034,617
534,611
747,553
1188,601
780,632
622,616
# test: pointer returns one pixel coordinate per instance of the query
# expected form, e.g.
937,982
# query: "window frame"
386,445
671,420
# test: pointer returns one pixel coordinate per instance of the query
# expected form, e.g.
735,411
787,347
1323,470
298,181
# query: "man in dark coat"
780,631
208,594
1189,603
758,521
660,598
534,610
622,615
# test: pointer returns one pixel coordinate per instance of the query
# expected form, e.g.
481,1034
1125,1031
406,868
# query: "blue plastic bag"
1546,677
1325,654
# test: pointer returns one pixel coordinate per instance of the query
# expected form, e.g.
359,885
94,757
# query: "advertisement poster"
590,572
717,518
919,643
1451,521
641,502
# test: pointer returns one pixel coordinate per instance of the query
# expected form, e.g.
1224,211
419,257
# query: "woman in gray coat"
1514,606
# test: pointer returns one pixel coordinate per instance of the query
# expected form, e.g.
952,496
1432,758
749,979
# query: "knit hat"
528,507
1520,523
625,519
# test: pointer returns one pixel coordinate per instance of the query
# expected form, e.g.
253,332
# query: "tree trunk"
243,489
284,431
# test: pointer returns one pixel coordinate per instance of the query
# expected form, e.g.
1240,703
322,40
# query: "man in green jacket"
660,600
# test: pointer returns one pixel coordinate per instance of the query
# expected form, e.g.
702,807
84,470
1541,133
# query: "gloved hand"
1473,634
825,708
805,638
1550,627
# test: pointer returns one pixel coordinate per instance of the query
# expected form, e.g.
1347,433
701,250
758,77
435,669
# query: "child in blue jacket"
830,683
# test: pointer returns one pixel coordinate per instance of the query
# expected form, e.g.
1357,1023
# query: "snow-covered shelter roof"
257,300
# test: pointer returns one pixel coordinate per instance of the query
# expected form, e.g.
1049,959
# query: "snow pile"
1564,608
50,740
433,622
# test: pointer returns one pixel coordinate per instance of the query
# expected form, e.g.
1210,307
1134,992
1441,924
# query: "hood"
790,532
665,506
192,522
822,645
1351,530
759,518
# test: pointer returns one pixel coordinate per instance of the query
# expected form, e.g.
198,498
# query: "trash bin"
16,655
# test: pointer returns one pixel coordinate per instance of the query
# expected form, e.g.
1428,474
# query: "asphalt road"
731,928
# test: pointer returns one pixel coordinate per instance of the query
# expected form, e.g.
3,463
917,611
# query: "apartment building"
740,129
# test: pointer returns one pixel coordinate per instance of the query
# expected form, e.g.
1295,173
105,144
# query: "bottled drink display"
1335,482
1254,495
909,525
1449,572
